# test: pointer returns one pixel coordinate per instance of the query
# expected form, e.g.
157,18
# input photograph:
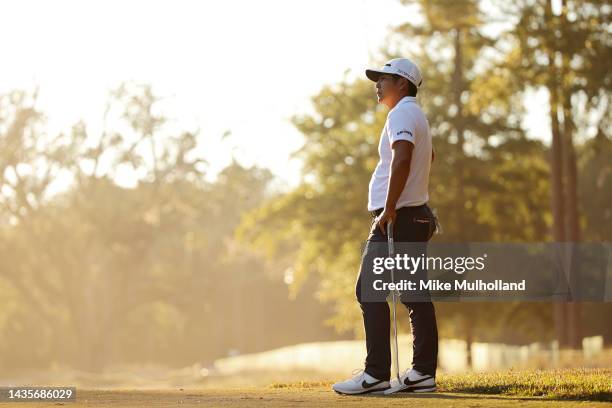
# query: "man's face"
388,89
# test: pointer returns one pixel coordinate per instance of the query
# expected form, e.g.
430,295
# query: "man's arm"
400,168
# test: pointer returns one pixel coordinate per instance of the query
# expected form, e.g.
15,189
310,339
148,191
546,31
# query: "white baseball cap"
399,66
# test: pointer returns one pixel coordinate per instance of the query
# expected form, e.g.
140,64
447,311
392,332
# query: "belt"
378,211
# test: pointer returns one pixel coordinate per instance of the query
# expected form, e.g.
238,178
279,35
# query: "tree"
85,259
561,51
134,258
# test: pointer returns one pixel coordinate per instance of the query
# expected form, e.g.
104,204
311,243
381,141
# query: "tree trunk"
556,165
558,206
469,339
457,90
572,226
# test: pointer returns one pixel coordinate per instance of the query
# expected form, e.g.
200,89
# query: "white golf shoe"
361,383
413,381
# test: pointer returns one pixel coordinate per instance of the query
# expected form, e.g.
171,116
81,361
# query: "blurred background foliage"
176,269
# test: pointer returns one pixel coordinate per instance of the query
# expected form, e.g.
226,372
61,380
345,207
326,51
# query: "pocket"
421,220
424,225
428,222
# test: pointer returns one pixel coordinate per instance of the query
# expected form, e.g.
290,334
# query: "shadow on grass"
450,396
500,393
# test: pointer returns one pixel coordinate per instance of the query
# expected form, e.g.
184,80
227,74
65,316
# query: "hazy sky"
243,66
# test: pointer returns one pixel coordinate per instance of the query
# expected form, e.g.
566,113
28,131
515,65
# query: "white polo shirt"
406,121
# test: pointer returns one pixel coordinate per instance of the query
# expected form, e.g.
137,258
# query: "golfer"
398,193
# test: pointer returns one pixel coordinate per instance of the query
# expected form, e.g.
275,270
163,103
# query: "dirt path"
312,397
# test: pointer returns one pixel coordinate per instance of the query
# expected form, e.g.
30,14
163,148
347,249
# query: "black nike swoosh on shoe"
366,384
408,382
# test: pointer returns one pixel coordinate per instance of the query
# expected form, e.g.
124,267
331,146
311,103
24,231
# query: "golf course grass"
529,388
566,384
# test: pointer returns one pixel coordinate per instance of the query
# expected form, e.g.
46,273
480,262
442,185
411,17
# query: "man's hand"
388,215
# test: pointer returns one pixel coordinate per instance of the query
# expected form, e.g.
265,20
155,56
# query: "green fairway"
560,384
584,384
530,388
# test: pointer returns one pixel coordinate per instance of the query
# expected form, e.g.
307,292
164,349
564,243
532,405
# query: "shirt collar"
407,99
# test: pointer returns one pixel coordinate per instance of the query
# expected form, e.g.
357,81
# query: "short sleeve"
401,126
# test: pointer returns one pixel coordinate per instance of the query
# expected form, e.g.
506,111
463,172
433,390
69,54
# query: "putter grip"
390,238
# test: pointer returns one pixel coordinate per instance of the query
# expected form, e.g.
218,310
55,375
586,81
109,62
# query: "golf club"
394,294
